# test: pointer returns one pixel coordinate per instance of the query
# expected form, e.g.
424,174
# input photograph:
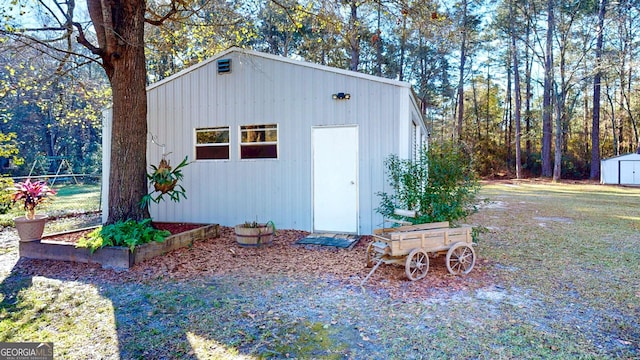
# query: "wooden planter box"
114,257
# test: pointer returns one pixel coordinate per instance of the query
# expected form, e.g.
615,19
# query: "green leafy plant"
128,233
6,194
165,180
257,225
31,194
440,185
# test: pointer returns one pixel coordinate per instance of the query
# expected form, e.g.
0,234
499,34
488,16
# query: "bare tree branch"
161,19
30,41
82,40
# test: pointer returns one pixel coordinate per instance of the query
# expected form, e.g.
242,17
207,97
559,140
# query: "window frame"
266,127
218,145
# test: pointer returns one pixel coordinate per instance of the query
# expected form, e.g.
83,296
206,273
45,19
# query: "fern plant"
165,181
128,233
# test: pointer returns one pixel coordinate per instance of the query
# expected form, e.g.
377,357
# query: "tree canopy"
63,62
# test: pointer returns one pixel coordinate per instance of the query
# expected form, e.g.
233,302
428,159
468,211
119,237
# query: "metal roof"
282,59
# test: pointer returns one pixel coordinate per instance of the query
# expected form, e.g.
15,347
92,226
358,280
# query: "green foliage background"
440,185
53,100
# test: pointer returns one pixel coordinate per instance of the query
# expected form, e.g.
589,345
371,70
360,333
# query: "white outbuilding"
276,139
621,170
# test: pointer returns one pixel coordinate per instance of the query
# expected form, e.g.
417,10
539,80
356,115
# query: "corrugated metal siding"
261,91
610,168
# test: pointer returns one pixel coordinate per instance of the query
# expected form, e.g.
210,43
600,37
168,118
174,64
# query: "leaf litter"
296,301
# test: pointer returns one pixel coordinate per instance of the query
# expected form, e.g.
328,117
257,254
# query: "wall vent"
224,66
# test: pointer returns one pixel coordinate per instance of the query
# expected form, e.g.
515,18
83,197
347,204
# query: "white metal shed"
622,170
272,138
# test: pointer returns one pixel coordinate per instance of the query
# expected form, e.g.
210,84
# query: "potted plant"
165,180
253,233
31,226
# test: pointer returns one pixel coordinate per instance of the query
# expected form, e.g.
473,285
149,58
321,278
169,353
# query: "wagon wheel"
460,259
417,264
371,256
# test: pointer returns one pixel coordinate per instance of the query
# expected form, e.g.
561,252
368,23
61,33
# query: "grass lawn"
70,199
560,262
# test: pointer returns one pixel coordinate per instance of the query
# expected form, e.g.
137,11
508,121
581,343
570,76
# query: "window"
259,141
212,143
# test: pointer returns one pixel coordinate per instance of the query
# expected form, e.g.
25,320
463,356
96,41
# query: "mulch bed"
223,257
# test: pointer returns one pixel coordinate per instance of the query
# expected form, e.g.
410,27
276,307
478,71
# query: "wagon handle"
371,272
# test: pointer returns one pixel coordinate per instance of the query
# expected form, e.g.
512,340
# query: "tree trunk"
403,41
626,90
488,107
378,43
354,41
585,139
476,112
508,114
527,111
546,100
595,124
616,148
463,59
561,109
120,32
516,86
557,162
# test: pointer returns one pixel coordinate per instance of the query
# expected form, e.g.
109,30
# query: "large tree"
119,27
516,86
116,40
547,94
597,78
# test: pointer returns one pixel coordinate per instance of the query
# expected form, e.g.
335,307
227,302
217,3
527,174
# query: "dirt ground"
529,301
222,255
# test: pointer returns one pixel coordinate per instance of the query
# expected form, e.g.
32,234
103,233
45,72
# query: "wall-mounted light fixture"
341,96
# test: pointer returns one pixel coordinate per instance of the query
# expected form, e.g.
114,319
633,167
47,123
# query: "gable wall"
262,91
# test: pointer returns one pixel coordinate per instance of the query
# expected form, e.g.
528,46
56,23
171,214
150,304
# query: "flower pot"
254,236
30,230
165,187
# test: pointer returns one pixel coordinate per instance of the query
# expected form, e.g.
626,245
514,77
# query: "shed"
622,170
272,138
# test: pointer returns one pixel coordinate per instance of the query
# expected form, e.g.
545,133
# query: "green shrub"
123,233
440,185
6,192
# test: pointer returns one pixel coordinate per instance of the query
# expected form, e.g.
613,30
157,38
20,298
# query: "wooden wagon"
412,245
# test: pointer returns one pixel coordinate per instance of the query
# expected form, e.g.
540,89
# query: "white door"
335,179
629,172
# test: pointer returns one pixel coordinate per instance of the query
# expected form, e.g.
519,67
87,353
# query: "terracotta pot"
30,230
254,236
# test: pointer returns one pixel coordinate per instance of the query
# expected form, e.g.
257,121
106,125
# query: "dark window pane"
212,152
259,151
